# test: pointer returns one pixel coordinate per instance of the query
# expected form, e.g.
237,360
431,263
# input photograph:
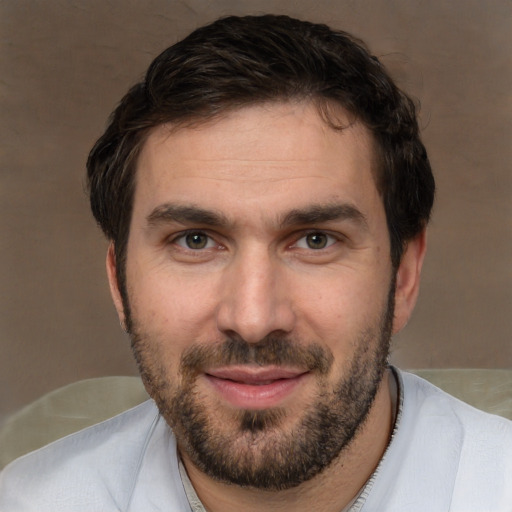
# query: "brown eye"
317,240
195,240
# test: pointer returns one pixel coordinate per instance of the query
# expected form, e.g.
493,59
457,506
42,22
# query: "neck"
331,490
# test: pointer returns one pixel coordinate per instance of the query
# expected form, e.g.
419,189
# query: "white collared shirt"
444,456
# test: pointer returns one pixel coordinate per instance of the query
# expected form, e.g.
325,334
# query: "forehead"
282,151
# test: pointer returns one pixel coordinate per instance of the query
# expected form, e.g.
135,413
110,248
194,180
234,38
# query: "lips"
255,388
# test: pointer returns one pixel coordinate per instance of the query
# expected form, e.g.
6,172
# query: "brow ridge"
312,214
169,212
315,214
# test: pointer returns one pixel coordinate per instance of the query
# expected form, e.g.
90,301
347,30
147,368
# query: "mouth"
254,387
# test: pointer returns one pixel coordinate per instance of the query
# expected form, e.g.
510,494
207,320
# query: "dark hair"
239,61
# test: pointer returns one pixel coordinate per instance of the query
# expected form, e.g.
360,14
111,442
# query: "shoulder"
428,402
101,462
470,450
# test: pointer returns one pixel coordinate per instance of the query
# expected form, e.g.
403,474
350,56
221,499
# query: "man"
266,195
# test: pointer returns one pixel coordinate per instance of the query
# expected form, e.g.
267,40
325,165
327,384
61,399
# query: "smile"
255,388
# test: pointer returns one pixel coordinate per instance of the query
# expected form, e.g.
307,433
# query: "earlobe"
114,286
408,280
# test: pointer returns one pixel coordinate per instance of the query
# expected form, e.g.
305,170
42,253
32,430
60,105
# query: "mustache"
271,350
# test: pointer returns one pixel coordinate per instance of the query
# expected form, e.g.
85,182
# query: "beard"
254,448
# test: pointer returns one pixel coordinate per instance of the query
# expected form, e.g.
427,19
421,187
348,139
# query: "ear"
408,280
114,286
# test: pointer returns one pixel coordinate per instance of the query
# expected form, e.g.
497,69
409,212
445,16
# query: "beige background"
65,64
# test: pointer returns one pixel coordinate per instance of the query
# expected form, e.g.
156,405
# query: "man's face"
260,289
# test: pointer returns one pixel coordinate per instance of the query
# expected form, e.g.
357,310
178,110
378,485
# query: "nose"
254,300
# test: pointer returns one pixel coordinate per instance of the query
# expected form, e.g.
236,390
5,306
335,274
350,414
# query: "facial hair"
252,448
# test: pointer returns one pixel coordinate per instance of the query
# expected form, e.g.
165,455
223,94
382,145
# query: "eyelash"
331,239
183,236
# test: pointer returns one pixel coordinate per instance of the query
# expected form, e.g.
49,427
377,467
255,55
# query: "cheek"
171,306
339,308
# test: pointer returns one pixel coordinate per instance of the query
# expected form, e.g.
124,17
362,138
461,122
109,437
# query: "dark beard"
257,453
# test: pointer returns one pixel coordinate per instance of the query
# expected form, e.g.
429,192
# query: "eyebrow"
324,213
167,212
313,214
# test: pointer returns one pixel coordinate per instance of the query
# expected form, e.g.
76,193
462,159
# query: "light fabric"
485,389
444,456
87,402
67,410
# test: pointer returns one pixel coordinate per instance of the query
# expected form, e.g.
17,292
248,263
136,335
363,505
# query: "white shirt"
444,456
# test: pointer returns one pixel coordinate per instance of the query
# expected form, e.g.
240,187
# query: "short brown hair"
240,61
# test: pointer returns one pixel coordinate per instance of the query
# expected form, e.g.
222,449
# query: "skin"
257,275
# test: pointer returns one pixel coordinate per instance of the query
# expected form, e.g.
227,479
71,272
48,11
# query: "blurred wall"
65,64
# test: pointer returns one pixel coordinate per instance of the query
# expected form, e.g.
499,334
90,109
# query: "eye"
316,241
195,240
